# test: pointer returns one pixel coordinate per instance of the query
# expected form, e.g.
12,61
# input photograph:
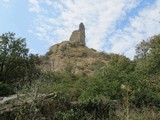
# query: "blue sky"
113,26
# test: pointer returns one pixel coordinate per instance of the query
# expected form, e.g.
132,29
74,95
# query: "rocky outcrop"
78,36
77,39
73,55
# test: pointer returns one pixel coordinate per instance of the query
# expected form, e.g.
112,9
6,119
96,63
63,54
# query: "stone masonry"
78,36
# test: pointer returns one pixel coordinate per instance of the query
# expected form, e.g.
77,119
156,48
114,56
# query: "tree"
148,70
141,50
15,63
106,84
148,55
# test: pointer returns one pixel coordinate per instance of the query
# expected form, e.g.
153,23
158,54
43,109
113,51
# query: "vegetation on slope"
123,89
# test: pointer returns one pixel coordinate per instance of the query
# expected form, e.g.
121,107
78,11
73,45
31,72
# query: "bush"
5,89
17,67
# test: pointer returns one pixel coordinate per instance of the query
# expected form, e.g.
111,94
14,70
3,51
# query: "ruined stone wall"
78,36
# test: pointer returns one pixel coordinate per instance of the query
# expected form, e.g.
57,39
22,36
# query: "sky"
112,26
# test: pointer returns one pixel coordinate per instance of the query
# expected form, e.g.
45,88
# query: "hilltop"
74,55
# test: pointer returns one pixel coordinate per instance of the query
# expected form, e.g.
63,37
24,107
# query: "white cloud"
49,2
5,3
142,26
56,22
99,17
34,6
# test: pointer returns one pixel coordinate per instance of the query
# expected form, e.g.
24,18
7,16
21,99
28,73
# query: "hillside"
73,55
75,87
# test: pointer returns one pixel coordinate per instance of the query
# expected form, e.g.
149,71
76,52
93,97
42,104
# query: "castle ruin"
78,36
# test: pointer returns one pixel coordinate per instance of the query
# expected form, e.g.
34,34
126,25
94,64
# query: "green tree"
148,56
148,70
142,50
106,84
16,65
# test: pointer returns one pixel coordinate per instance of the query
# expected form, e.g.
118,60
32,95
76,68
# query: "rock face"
78,36
73,55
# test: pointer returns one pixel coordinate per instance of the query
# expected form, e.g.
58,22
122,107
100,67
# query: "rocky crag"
74,56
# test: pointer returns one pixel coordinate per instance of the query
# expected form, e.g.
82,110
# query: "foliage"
142,50
128,82
16,65
5,89
106,84
150,63
148,71
123,89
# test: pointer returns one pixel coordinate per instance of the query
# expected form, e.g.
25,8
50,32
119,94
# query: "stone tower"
78,36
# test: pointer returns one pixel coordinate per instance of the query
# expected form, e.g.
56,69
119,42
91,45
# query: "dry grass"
145,113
